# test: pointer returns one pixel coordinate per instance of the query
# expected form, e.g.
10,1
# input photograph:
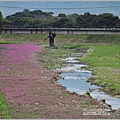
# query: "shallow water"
74,78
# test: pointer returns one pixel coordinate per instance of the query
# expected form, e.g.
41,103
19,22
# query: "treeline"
38,18
1,17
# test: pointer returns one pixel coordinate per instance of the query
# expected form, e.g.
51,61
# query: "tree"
62,23
87,20
1,21
61,15
38,18
108,20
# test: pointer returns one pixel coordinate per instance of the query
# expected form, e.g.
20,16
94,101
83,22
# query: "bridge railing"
62,30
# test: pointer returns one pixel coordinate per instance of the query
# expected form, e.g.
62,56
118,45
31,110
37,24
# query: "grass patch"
61,38
9,42
51,57
111,39
22,38
4,110
105,65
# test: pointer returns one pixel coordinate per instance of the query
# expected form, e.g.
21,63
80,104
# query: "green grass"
105,65
22,38
9,42
5,113
60,38
51,58
70,38
111,39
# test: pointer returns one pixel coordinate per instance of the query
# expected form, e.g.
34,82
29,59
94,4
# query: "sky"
8,11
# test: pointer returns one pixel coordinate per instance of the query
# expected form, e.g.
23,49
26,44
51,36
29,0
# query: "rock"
88,94
102,100
73,93
55,78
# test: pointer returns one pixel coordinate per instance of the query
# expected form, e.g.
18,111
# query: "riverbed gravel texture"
31,93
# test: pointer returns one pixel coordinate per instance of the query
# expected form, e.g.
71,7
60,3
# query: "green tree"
62,23
24,21
108,20
61,15
38,18
87,20
1,17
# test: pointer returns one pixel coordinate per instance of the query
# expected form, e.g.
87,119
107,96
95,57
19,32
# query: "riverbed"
75,79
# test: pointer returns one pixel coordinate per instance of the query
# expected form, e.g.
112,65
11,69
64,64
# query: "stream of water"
74,78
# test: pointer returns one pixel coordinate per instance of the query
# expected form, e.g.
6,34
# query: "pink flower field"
29,90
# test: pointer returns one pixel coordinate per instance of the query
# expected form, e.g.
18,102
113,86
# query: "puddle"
74,78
